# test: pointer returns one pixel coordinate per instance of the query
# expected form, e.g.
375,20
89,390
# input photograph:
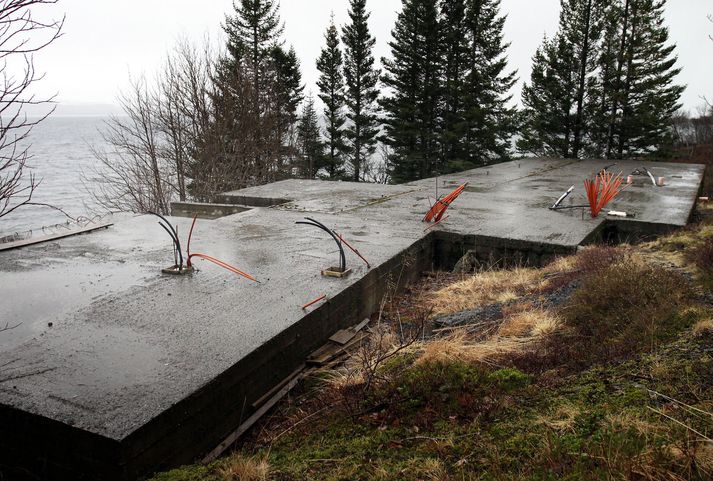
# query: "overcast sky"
106,39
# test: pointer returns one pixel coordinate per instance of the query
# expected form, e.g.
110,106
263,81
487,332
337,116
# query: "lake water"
60,151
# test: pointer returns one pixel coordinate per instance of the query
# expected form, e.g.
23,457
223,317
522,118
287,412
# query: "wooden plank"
243,428
279,386
345,335
29,242
320,357
326,353
342,337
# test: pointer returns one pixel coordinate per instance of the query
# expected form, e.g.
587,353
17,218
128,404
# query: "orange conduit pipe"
225,266
602,190
442,205
354,250
312,303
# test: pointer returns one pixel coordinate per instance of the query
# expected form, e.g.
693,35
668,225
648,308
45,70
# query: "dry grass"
484,288
241,468
533,322
458,347
563,420
635,421
432,469
703,328
704,457
562,264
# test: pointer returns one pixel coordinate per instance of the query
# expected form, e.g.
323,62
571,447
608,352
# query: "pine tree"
331,92
413,77
310,146
491,123
361,94
643,95
454,52
561,99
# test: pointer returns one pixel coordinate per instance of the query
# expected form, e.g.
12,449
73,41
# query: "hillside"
598,366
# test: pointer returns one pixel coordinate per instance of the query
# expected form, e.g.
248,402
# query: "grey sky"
105,39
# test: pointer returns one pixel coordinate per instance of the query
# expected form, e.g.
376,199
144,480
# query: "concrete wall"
493,252
205,211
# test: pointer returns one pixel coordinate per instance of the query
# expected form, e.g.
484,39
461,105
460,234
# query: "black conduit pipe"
319,225
174,237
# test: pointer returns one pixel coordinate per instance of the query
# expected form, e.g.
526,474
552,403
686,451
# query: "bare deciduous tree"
375,168
184,106
155,142
693,130
133,176
21,35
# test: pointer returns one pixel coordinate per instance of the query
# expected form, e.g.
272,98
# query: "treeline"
693,130
602,86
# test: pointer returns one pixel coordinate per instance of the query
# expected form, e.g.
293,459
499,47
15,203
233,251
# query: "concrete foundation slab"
114,370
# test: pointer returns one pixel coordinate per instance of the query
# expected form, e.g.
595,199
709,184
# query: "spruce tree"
643,96
491,123
310,146
413,78
561,98
253,33
287,90
361,93
581,23
254,49
454,52
331,92
548,101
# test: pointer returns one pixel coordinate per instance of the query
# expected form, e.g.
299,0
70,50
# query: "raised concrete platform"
116,371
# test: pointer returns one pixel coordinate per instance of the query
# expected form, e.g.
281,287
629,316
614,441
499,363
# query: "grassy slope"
618,386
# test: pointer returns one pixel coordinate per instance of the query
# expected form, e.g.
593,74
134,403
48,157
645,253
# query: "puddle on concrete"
43,302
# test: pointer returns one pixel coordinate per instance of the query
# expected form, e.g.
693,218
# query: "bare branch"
21,34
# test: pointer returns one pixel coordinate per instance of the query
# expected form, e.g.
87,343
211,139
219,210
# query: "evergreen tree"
454,52
253,33
581,23
361,93
614,71
268,109
413,77
491,123
548,101
288,94
331,92
643,96
310,146
561,99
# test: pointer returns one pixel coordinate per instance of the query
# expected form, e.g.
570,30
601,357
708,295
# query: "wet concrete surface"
107,345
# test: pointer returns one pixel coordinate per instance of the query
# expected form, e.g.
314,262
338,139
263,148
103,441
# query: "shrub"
509,379
441,389
624,309
702,256
587,262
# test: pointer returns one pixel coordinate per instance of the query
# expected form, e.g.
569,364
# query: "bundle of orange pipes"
602,190
441,205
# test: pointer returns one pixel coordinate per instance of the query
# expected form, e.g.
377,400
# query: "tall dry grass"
242,468
485,288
